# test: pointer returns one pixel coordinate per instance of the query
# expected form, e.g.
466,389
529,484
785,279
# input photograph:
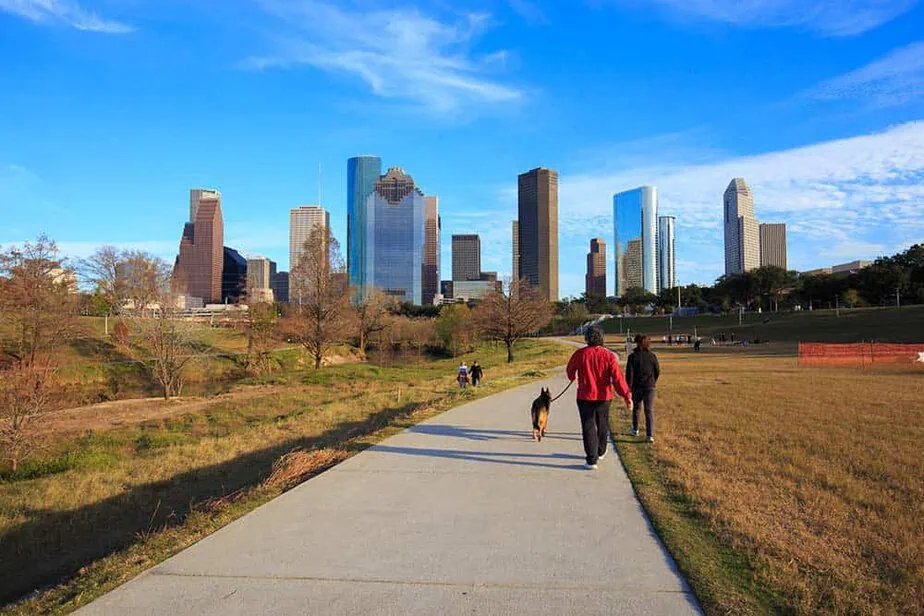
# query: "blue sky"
110,110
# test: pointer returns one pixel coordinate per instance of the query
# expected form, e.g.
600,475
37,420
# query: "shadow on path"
516,459
473,434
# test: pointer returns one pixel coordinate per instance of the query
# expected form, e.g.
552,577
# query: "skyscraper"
281,287
431,258
742,233
515,266
466,257
395,237
667,260
260,274
302,221
198,268
537,202
362,173
773,244
595,279
233,276
635,219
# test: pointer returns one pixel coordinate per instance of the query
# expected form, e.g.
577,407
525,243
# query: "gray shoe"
633,432
591,467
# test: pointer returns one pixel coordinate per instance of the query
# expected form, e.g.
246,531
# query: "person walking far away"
463,375
642,372
477,373
598,372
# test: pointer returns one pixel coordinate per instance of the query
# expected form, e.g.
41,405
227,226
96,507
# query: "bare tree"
370,311
105,270
38,309
511,315
167,343
146,279
260,326
319,297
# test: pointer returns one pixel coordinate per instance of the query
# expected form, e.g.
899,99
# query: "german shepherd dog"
540,414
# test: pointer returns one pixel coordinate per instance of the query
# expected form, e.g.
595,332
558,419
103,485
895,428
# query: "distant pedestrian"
642,373
462,375
696,345
477,373
598,372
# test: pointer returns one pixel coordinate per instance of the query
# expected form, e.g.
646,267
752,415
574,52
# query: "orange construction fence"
859,353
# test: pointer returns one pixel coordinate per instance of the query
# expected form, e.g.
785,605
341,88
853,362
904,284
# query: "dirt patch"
121,413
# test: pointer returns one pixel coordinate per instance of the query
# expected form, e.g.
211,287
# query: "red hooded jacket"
598,370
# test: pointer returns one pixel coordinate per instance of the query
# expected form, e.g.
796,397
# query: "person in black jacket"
477,373
642,372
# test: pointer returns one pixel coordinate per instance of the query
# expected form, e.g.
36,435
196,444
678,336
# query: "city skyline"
829,132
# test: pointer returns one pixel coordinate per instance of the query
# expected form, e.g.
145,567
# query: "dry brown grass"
299,465
815,474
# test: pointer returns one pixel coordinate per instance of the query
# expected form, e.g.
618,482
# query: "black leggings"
648,397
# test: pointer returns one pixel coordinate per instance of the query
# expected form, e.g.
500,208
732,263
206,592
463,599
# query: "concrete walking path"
462,514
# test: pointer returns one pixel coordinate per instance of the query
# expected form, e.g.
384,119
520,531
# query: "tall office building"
515,265
260,274
393,245
233,276
635,219
742,232
667,260
431,257
466,257
595,279
198,268
537,201
362,173
302,221
773,244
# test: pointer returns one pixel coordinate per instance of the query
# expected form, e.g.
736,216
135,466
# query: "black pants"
595,427
647,397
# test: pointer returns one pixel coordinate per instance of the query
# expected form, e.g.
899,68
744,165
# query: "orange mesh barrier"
858,354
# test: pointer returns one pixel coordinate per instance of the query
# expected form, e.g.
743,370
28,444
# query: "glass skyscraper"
362,173
635,222
667,260
393,245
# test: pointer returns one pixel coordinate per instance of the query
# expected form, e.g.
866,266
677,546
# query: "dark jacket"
642,370
477,372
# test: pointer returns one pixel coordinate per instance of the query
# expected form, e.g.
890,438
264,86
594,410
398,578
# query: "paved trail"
463,514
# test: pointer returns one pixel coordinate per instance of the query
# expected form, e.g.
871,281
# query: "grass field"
102,505
862,324
787,490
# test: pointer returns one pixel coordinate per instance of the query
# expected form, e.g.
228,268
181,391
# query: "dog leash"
570,383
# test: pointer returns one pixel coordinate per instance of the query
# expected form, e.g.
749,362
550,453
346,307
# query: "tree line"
897,279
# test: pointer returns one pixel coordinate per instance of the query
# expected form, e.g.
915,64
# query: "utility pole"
898,297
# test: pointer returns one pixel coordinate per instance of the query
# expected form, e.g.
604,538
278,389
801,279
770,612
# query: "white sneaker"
651,439
604,454
633,432
591,467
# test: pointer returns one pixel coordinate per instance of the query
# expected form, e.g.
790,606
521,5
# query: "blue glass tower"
362,172
395,237
635,222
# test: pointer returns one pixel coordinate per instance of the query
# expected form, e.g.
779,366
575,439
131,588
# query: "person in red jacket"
598,372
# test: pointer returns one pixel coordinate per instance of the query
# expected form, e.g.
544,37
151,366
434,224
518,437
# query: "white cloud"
849,198
894,80
400,53
827,17
63,11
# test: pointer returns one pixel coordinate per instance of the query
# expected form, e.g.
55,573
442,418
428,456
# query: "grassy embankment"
104,504
781,489
92,368
862,324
